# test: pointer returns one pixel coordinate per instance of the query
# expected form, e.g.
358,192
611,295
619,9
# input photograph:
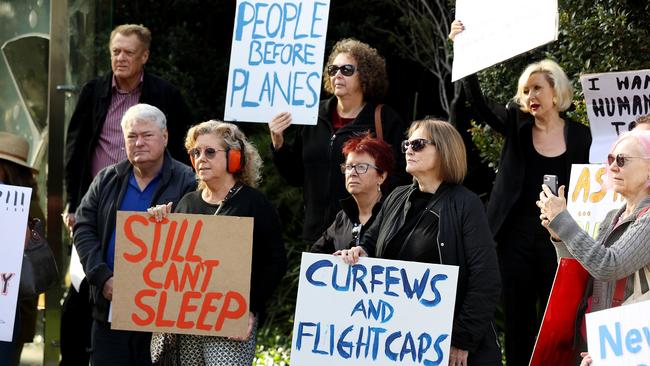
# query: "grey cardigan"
617,252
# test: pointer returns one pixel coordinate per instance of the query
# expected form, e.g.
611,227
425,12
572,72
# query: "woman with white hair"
618,260
539,140
228,168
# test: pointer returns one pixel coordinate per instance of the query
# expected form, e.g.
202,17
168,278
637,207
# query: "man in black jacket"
149,177
94,141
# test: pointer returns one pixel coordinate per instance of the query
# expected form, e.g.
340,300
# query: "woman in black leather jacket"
437,220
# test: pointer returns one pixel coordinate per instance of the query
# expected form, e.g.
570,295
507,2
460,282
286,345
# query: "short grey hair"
144,112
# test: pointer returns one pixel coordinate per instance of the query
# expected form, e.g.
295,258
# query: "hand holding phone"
551,182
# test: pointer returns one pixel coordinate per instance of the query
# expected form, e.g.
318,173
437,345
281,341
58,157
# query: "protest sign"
614,100
588,199
14,211
276,60
620,335
377,312
500,29
188,274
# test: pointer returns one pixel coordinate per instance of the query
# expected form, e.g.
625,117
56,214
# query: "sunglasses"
621,159
346,70
415,145
360,168
209,152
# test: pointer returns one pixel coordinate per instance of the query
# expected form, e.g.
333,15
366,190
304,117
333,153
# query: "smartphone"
551,181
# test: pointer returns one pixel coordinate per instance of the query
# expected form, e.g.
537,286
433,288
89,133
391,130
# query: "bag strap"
378,129
619,290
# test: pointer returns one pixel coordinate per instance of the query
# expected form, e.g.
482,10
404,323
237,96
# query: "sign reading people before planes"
614,100
276,60
187,274
14,211
497,30
620,335
376,312
588,199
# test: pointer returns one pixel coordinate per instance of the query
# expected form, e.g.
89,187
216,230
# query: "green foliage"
488,143
594,37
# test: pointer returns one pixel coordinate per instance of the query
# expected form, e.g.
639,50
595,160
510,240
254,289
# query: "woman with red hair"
367,163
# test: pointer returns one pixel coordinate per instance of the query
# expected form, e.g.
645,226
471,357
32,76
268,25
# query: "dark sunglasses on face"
209,152
346,70
621,159
360,168
416,145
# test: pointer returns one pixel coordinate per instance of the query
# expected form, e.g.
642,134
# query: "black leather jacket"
97,212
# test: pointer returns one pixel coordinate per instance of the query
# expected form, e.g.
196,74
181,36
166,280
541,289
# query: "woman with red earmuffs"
228,169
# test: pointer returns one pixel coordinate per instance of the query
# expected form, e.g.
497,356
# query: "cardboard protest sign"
620,336
497,30
188,274
14,211
276,60
588,199
555,340
614,100
377,312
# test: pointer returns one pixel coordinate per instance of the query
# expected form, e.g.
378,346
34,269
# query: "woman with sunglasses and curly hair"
437,220
368,162
356,76
618,260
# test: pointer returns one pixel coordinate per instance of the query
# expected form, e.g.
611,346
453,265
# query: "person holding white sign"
368,162
357,78
16,171
619,258
539,140
228,168
437,220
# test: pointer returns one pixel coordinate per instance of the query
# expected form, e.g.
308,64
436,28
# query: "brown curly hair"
370,65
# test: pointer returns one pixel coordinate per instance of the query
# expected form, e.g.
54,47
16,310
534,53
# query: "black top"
537,165
269,260
312,160
510,121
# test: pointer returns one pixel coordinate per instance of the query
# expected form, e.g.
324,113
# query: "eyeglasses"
209,152
360,168
346,70
415,145
621,159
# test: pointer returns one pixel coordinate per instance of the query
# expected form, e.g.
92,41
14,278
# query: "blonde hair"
450,147
555,76
143,33
232,136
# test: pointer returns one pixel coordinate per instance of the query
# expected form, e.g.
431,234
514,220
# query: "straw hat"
14,148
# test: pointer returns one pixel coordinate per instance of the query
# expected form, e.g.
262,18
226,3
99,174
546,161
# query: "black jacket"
339,235
88,120
463,240
97,212
313,161
509,121
269,261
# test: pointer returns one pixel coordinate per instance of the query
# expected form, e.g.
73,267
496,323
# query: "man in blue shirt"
148,177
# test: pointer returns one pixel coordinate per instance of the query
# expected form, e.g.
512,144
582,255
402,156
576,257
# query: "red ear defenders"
235,159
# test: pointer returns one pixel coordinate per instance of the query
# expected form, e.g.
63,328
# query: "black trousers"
76,322
119,347
528,265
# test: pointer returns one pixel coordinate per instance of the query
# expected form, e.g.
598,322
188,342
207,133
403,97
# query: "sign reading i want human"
620,335
14,211
614,100
376,312
276,60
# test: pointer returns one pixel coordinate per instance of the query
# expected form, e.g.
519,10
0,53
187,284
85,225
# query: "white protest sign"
620,336
589,200
14,210
377,312
497,30
614,100
276,60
